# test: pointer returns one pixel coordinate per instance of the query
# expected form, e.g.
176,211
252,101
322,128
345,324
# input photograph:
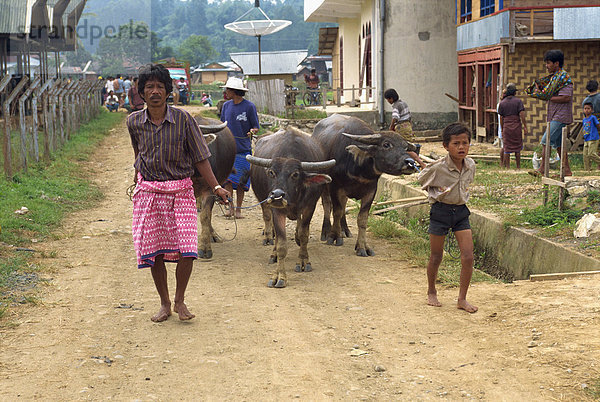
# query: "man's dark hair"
391,93
554,56
589,103
313,71
238,92
454,129
511,89
592,86
154,72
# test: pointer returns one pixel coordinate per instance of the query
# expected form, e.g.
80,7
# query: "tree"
79,57
196,49
126,49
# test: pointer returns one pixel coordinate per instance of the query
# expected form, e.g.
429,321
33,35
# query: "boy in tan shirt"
447,184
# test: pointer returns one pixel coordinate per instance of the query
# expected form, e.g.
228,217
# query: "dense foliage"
192,30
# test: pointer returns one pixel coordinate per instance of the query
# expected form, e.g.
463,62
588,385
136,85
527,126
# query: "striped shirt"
400,111
168,151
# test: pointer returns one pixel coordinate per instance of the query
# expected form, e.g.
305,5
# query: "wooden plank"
409,199
552,182
562,275
396,207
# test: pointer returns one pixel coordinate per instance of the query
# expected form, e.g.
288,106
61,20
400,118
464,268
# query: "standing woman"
242,119
512,121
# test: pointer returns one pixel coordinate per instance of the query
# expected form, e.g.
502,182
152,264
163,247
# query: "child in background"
447,184
591,126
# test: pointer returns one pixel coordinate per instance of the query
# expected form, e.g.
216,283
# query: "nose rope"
217,198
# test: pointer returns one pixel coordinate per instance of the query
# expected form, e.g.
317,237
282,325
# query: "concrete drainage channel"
508,253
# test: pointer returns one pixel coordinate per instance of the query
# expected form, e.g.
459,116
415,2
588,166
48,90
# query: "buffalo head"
386,149
288,179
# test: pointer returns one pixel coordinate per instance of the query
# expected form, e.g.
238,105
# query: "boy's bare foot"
163,313
238,215
182,310
465,305
432,300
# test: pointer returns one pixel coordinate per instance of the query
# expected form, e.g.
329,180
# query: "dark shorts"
443,217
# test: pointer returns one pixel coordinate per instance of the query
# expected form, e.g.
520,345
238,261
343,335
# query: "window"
465,11
487,7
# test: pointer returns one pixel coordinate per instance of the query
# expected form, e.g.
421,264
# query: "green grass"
49,191
593,389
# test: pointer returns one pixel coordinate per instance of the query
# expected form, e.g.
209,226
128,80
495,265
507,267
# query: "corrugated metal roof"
277,62
15,16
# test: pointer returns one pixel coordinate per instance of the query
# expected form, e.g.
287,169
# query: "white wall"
420,69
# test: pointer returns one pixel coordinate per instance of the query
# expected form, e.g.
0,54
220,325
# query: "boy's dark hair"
554,56
391,94
454,129
592,86
313,71
154,72
589,103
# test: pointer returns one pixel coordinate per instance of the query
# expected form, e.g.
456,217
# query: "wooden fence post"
546,161
7,135
23,123
34,117
563,154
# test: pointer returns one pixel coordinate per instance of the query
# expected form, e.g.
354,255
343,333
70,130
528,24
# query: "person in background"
401,122
512,121
135,100
112,102
206,99
557,90
242,119
591,126
182,87
312,83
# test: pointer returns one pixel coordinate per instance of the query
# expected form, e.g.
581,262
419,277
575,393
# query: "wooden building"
502,41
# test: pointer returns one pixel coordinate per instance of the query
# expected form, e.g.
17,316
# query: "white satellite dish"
257,28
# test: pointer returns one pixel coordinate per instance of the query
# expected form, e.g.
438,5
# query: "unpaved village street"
353,329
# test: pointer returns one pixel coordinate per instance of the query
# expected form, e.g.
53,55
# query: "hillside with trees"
119,34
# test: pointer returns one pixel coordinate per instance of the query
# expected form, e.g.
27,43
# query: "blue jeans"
113,107
555,128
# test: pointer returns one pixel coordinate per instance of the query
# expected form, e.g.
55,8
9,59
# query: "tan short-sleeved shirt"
445,183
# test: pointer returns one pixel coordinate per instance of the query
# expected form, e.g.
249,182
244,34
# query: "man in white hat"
242,119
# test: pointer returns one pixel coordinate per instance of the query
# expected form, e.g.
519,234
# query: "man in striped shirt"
168,145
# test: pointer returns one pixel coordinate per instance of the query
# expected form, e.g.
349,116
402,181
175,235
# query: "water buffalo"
284,173
222,149
362,156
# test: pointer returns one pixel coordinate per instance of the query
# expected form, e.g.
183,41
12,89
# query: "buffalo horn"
371,139
317,166
213,128
259,161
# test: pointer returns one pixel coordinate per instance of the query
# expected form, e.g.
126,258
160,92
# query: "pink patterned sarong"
165,221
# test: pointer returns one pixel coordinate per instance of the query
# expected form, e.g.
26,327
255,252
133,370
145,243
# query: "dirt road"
353,329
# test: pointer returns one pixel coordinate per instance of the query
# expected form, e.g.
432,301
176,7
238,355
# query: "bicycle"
312,97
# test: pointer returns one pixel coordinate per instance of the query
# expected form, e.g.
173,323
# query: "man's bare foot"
432,300
182,310
238,215
465,305
163,314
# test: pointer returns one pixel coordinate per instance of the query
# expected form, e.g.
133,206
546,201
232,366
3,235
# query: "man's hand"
252,132
223,195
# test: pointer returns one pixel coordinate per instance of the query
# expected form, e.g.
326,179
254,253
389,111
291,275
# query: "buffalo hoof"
330,241
273,259
347,233
307,267
298,268
323,236
279,284
339,241
361,252
267,242
205,254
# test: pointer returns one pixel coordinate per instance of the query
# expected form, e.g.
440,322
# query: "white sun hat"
235,83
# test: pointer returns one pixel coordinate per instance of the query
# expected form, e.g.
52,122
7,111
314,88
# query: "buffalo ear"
208,138
359,152
410,147
315,179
